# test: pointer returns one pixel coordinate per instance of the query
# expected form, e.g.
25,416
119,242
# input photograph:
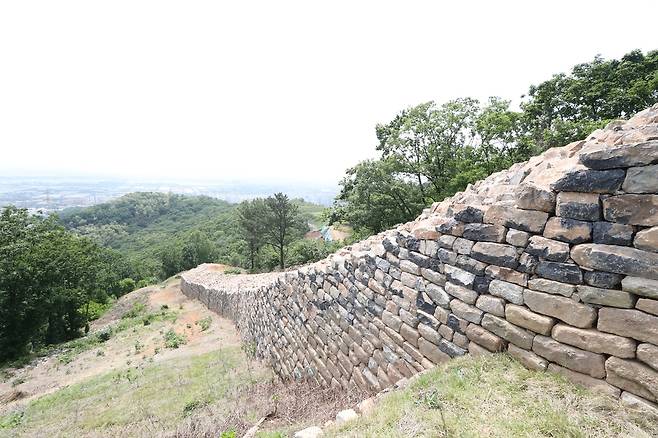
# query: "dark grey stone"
612,234
485,232
563,272
639,154
606,280
451,349
481,284
587,180
469,214
471,265
527,263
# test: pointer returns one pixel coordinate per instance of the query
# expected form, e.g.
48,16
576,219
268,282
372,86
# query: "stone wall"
554,260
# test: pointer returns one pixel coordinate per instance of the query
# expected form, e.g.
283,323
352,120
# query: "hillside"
144,225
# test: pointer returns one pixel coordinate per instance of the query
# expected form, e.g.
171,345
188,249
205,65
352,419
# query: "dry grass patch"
495,396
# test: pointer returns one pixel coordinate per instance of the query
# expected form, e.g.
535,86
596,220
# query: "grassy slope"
494,396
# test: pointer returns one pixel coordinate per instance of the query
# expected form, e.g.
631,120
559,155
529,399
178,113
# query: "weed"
136,310
193,405
204,323
227,434
11,420
174,340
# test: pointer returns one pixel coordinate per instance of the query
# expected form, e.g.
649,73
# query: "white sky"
268,89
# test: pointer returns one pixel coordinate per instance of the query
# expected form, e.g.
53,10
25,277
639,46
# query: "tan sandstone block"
570,357
633,376
485,338
631,323
565,309
647,305
525,318
595,341
648,353
508,331
527,358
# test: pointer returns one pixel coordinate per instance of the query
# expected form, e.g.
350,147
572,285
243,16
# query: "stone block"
485,338
496,254
618,259
467,213
491,304
391,320
606,297
507,274
446,241
570,357
438,295
462,246
410,334
518,238
606,280
466,295
595,341
586,381
466,311
511,292
512,217
647,305
632,209
548,249
476,350
609,233
508,331
471,265
527,358
590,181
432,352
647,239
485,232
641,180
451,349
633,376
521,316
459,276
533,197
648,353
527,263
568,230
429,333
561,272
630,323
435,277
624,155
551,287
580,206
637,403
564,309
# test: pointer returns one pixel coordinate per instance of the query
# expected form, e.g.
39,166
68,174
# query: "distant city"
50,194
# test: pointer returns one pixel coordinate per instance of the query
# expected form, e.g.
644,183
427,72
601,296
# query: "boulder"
590,181
568,230
630,323
618,259
564,309
633,376
641,180
345,416
309,432
632,209
625,155
581,206
512,217
570,357
595,341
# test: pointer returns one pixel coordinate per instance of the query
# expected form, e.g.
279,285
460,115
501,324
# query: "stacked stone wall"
554,261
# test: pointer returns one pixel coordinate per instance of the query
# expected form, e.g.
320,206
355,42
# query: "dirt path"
135,343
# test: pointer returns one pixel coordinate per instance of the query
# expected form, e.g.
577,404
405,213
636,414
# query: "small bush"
204,323
233,271
136,310
127,285
11,420
192,406
174,340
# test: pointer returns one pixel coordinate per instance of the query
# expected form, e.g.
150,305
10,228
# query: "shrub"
174,340
204,323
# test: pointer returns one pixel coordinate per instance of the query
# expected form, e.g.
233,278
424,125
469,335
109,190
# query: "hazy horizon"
261,91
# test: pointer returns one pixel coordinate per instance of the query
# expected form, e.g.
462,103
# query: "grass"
494,396
137,400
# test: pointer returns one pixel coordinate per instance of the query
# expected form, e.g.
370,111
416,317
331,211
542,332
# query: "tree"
283,224
251,219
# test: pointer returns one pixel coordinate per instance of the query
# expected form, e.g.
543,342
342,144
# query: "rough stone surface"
485,338
507,331
606,297
595,341
564,309
641,180
548,249
551,287
496,254
619,259
527,358
648,353
632,209
630,323
512,217
633,376
510,292
517,238
568,230
525,318
581,206
640,286
624,155
491,304
562,272
647,305
602,279
573,358
533,197
485,232
587,180
647,240
612,234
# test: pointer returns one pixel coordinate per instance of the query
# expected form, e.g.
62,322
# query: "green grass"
135,398
496,397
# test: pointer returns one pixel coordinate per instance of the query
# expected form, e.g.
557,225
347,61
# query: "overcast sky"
268,89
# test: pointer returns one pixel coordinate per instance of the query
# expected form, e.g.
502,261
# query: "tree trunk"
282,261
